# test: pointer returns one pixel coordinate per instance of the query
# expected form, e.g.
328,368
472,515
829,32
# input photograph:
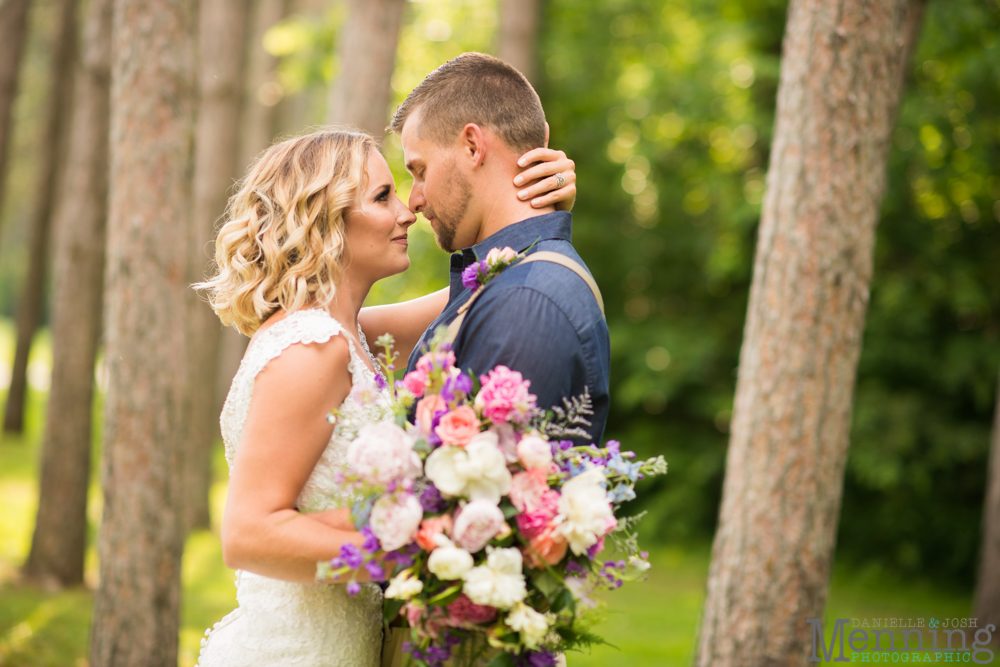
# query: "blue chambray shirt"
540,319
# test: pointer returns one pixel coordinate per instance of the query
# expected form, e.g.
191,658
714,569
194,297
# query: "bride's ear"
546,134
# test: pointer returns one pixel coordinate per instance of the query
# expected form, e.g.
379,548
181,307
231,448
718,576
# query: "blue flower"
622,493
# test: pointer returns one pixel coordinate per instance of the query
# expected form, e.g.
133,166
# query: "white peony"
395,520
534,452
448,562
478,470
499,583
584,510
403,586
532,625
383,452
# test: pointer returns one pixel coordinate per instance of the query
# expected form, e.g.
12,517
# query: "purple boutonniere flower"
472,275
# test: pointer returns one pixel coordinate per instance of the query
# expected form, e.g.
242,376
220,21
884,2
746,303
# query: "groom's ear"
472,139
546,134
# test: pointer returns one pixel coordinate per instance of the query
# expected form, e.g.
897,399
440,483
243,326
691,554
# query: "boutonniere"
477,274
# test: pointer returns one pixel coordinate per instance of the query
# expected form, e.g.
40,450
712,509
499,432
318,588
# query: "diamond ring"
560,181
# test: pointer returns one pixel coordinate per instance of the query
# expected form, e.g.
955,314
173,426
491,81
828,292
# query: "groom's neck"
500,205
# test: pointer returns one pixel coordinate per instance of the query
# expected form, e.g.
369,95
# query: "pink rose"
526,489
610,524
463,611
507,255
549,546
435,360
395,520
431,527
531,524
458,427
504,396
426,408
477,523
414,612
534,452
415,382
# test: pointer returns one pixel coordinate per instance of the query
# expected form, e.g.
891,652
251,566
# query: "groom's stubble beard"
451,209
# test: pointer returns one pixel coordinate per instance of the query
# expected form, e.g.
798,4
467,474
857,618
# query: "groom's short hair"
476,88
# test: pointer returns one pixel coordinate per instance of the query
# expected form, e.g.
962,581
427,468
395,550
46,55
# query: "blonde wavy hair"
282,244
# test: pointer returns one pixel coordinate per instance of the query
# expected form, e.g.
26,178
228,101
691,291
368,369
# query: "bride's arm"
284,436
406,321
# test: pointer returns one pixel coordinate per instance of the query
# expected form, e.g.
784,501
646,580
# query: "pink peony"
531,524
534,452
395,520
426,408
382,453
458,427
463,611
415,382
435,360
477,523
429,528
526,489
504,396
548,546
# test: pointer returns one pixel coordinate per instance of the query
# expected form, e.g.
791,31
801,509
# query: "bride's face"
376,227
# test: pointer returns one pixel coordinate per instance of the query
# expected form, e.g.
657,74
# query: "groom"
463,129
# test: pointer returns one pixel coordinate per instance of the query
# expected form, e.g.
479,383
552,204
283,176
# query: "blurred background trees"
668,108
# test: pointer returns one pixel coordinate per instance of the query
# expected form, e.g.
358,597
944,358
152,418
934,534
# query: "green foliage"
667,107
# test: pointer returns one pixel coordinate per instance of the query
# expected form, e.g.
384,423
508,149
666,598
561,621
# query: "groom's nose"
417,200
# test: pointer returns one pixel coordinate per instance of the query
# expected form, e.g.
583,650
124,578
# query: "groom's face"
441,192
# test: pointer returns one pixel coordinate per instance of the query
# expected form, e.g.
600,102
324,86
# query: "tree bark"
518,35
153,84
60,537
53,143
988,582
13,31
841,81
222,45
367,50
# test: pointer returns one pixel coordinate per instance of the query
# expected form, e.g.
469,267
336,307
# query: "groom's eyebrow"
411,166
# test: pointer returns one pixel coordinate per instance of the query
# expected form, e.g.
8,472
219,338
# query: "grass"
653,623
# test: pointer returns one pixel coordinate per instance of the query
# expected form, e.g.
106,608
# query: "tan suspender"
540,256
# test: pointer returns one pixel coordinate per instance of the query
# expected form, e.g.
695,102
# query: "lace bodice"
366,403
278,623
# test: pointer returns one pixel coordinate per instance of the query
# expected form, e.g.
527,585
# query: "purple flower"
353,588
375,571
431,500
614,447
540,658
380,382
470,276
371,543
455,384
352,556
644,554
565,444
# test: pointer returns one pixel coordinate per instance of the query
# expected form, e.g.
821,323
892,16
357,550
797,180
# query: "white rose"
383,452
499,583
534,452
532,625
584,510
449,562
395,520
477,470
403,586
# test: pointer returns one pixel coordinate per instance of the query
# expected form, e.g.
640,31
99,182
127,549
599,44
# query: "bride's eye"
383,194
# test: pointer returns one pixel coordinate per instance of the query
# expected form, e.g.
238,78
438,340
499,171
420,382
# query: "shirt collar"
519,236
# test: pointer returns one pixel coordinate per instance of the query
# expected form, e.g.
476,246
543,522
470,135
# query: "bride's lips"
400,239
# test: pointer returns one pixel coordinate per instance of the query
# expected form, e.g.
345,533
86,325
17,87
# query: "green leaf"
509,511
390,609
502,660
446,596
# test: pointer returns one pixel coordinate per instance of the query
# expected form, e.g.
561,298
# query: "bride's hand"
542,183
338,519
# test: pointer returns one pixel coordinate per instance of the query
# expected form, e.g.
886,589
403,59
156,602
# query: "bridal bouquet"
488,522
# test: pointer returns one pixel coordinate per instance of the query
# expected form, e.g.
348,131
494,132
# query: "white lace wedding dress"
280,623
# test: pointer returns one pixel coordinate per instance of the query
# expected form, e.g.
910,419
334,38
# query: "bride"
315,223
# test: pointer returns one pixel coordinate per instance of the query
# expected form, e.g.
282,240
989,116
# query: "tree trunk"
60,538
13,31
222,45
988,581
29,310
153,83
841,81
367,48
518,35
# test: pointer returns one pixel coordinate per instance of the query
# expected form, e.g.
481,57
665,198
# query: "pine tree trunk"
988,582
153,84
222,44
367,48
841,80
60,538
13,31
29,309
518,35
261,90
